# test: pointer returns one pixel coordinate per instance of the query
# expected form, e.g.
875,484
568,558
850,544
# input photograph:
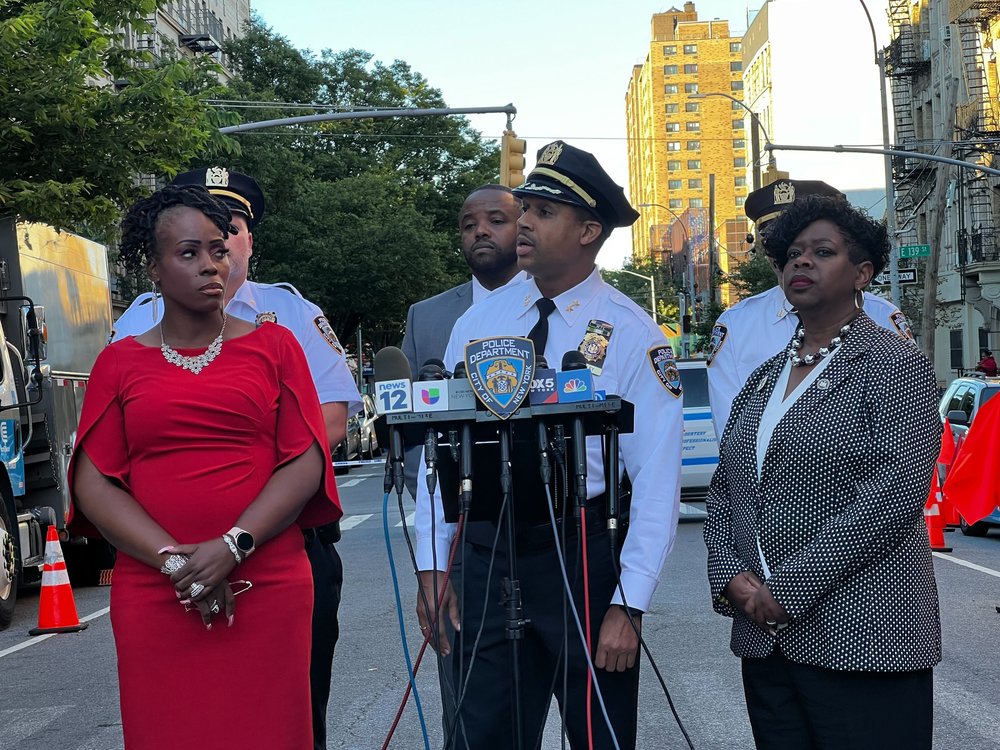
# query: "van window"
956,398
695,384
986,394
968,400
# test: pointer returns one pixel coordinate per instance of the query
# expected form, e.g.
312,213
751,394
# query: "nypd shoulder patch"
719,335
901,324
326,331
661,358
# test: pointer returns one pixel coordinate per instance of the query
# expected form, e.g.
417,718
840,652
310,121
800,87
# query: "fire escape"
906,61
978,129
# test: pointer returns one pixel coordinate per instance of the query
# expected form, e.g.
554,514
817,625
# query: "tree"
637,289
83,117
362,215
754,276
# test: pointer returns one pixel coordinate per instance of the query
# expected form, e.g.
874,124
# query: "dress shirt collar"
571,304
479,292
779,308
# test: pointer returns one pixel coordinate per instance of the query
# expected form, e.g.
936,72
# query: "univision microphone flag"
500,371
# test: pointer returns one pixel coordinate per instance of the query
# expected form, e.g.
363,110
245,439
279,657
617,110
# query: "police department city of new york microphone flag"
500,370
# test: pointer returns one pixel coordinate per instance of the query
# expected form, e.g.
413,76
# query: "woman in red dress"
200,445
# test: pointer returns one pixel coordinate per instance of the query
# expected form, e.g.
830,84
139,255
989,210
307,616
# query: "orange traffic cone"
56,607
933,517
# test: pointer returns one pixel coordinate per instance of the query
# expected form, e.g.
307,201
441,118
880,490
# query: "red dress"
194,451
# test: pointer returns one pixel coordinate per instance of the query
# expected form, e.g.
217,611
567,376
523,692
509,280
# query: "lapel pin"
823,384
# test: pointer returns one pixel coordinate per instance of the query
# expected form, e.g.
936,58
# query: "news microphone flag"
543,387
392,381
430,395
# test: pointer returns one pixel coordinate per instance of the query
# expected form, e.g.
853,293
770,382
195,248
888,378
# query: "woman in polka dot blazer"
816,542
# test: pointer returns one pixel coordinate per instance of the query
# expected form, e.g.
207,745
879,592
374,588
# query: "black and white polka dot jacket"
838,509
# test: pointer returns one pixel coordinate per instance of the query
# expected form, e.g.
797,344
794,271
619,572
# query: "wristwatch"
244,540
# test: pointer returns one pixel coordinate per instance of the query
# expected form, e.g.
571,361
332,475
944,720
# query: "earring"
156,306
859,295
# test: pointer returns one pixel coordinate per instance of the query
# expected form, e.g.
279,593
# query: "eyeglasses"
238,588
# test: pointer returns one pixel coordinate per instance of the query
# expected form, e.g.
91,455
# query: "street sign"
906,276
914,251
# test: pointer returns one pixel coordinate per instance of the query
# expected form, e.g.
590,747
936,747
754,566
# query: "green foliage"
706,321
637,289
83,117
754,276
362,215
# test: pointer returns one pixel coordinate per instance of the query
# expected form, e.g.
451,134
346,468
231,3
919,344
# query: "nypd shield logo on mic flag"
500,371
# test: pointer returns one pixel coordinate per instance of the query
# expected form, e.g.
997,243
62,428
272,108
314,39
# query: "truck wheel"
9,566
979,528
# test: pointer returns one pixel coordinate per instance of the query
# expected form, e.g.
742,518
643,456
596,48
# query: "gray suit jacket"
428,326
837,510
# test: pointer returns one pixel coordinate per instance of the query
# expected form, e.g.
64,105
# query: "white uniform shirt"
329,370
479,292
651,454
754,330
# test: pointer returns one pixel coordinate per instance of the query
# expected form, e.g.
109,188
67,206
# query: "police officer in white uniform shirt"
570,205
755,329
338,394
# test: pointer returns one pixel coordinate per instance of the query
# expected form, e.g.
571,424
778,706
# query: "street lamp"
690,263
652,289
890,188
754,145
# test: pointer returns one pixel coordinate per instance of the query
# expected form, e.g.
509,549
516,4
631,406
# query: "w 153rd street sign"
906,276
914,251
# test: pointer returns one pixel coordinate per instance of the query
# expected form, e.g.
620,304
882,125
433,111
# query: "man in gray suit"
488,225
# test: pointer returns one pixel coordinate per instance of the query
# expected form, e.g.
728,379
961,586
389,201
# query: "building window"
737,124
694,163
670,70
674,184
676,203
692,106
736,66
735,47
694,184
670,88
739,143
957,348
736,85
691,68
673,166
694,145
693,126
736,106
690,88
740,200
739,162
673,127
673,109
690,49
740,181
670,49
673,145
695,203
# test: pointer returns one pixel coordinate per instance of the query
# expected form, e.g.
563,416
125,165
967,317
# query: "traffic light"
512,150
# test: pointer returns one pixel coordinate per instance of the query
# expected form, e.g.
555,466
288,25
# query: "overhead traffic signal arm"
512,151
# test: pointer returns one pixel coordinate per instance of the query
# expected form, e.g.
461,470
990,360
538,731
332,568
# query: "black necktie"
539,334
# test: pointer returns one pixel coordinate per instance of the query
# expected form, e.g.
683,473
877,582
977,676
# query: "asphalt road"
60,692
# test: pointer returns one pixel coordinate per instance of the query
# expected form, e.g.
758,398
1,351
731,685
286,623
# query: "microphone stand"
512,588
612,480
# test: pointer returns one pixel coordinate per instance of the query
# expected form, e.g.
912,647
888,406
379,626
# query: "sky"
565,65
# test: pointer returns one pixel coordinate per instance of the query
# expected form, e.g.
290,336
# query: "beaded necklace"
824,351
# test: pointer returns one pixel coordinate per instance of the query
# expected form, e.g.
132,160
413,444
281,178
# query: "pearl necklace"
199,362
824,351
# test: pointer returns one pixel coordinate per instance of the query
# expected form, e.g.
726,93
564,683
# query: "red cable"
586,614
427,635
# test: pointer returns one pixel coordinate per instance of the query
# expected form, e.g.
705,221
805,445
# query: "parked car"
350,447
369,441
700,454
961,401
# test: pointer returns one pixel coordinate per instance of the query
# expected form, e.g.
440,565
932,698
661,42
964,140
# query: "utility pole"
711,240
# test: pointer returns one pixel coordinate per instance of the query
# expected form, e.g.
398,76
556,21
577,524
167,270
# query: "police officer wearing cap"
755,329
338,394
570,206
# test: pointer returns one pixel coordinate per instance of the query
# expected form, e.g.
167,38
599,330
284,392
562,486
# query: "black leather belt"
329,534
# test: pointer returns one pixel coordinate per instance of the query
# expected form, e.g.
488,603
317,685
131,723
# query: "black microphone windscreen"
540,363
431,372
435,361
459,371
391,364
573,360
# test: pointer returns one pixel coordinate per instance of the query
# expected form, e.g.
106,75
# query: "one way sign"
906,276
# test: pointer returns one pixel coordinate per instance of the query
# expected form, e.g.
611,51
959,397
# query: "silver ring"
772,623
196,588
214,609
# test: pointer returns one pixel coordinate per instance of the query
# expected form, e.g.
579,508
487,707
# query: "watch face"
244,540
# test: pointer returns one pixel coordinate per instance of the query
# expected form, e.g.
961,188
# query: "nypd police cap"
766,203
238,191
566,174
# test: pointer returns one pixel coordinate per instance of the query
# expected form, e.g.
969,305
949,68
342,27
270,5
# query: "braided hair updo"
138,242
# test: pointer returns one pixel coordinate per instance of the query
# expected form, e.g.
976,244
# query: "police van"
700,455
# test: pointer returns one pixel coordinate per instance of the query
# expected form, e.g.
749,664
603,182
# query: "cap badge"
216,177
551,153
784,192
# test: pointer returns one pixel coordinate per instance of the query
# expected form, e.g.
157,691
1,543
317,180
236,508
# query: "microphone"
575,382
543,384
460,393
428,397
574,366
460,380
392,394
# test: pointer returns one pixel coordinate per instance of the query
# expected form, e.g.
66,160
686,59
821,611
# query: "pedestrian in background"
816,540
987,364
200,444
